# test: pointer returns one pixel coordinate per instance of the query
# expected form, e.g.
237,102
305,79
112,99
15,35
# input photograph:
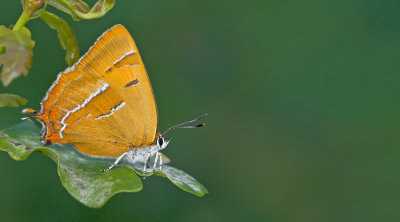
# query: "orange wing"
116,59
104,104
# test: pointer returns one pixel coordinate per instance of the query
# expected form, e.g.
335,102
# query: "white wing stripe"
98,92
119,106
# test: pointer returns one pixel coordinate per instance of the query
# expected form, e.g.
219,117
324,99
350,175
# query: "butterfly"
104,104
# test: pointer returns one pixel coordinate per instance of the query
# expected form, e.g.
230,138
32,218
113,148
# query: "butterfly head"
162,142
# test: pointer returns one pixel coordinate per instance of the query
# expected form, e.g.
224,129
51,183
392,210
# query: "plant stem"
29,7
23,19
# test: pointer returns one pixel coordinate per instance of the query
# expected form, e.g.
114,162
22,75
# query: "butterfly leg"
145,165
160,161
115,163
155,162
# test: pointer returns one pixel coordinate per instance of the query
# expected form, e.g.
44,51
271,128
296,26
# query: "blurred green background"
303,104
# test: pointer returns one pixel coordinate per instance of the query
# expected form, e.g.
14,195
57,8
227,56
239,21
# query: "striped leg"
145,165
115,163
155,162
160,161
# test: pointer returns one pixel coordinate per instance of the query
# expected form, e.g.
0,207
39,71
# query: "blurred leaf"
80,10
65,36
80,174
183,180
17,53
11,100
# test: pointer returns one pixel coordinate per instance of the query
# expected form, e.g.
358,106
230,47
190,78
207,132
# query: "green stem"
23,19
29,7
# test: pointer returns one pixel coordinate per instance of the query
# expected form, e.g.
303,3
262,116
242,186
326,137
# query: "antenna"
182,125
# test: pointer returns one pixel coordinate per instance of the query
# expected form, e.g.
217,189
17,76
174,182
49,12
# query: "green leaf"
80,174
80,10
16,56
183,180
65,36
11,100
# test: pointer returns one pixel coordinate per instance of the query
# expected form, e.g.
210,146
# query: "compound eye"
160,141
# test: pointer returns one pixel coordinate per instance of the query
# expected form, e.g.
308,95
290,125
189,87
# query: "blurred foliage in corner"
303,110
16,45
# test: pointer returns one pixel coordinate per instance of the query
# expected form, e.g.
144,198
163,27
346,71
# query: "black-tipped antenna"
182,125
